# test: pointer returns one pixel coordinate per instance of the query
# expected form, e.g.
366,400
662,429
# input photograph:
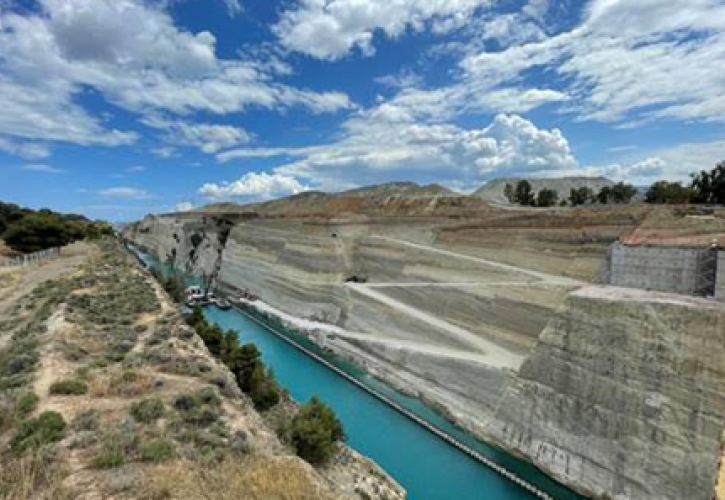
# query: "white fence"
30,258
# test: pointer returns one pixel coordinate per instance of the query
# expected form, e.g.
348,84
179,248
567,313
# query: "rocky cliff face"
623,396
191,243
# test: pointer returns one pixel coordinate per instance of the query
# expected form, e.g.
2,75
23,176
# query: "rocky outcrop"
623,396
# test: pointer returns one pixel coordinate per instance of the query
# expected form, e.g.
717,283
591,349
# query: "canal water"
425,465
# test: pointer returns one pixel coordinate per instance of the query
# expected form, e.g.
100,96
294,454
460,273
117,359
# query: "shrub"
114,451
200,408
85,421
147,410
69,387
263,389
108,458
48,427
26,404
157,450
314,431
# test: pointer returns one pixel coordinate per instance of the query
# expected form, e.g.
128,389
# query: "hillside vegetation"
25,230
106,392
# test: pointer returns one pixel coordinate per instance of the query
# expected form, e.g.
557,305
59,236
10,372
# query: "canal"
425,465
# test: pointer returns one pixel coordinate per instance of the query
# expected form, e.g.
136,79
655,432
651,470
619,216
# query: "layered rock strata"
623,396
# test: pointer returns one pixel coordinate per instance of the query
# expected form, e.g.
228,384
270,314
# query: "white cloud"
128,193
329,29
674,163
26,150
384,144
40,167
628,62
164,152
136,168
132,54
207,137
184,206
254,186
233,7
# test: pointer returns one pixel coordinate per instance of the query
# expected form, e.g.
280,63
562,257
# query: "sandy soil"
29,277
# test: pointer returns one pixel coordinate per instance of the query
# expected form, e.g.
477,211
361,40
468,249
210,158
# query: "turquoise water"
425,465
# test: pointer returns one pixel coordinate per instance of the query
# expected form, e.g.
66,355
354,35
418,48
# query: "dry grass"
9,276
126,383
251,478
36,475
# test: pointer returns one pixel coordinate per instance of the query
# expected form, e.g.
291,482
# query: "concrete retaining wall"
675,270
720,283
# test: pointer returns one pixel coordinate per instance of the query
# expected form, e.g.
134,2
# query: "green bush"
48,427
199,409
264,390
148,410
69,387
314,431
26,404
157,450
114,451
108,458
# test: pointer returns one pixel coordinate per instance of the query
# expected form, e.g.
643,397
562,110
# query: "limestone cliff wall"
292,270
623,396
193,244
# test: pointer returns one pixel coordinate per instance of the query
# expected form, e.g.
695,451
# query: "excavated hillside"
445,297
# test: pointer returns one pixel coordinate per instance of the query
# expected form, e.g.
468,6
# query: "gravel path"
493,354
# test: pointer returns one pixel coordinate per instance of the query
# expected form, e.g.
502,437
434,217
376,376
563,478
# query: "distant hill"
404,189
493,191
308,201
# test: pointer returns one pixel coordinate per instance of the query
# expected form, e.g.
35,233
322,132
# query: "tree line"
314,431
706,187
523,194
25,230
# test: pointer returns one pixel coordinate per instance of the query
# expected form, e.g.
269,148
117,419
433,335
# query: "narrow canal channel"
425,465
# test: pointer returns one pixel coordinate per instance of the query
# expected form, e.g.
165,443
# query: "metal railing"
29,259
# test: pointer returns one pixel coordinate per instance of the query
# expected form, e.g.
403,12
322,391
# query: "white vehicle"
195,293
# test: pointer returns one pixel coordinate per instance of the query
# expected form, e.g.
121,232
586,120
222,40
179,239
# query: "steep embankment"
623,396
105,392
418,321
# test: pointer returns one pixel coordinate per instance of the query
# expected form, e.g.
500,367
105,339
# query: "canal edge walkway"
407,413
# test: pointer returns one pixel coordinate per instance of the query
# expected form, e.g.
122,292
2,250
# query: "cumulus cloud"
384,144
133,55
329,29
253,186
126,193
41,167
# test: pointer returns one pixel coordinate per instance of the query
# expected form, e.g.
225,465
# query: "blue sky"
116,108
